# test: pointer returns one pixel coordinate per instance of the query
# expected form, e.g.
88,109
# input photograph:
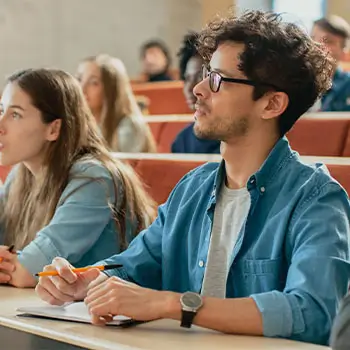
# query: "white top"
231,210
131,134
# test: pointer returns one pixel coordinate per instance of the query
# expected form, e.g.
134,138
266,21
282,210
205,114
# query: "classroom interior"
81,36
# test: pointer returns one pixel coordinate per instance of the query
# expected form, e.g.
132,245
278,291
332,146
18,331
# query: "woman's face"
23,134
89,76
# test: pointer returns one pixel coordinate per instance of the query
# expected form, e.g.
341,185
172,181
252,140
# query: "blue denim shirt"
290,256
337,99
82,229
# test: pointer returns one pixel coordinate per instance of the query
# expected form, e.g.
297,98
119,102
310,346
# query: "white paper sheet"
76,312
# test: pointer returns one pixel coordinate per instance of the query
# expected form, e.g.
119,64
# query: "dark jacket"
187,142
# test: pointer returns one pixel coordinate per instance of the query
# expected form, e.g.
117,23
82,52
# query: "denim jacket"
82,229
290,256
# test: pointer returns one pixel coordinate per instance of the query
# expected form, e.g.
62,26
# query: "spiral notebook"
75,312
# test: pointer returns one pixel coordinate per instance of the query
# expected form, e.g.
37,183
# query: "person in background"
259,243
340,337
156,61
191,73
66,195
334,33
108,92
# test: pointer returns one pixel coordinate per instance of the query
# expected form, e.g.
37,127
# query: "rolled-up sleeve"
142,261
318,245
80,218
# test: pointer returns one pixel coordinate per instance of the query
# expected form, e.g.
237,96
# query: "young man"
156,61
334,32
191,73
257,244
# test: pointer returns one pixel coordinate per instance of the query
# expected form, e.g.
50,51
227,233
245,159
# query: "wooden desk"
158,335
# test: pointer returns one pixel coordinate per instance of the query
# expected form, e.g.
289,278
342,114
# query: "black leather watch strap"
187,318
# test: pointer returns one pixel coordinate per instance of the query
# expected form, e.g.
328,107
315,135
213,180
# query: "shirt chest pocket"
259,276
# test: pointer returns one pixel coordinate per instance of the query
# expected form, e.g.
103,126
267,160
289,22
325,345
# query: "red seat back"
319,137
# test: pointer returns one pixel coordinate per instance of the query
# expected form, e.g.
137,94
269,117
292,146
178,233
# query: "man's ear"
277,103
54,130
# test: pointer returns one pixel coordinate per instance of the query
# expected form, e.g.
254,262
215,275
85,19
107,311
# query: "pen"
80,269
10,249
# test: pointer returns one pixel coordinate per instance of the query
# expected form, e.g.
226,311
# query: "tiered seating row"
320,134
160,173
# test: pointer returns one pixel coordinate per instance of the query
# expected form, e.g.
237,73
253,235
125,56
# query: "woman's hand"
12,272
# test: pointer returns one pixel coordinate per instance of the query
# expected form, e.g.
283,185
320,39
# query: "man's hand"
118,297
67,286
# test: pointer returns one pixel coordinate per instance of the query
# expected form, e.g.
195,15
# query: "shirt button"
201,263
252,181
213,193
262,189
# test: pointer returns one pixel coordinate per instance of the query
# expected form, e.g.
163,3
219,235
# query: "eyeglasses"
216,78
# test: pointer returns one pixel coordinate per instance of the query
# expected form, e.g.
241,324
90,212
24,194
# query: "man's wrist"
171,307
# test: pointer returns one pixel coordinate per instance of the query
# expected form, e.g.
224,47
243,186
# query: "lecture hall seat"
161,175
168,134
164,97
326,136
319,137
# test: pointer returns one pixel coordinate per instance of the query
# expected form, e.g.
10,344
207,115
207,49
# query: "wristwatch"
190,304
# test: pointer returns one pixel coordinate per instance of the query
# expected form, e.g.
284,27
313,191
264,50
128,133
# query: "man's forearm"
235,316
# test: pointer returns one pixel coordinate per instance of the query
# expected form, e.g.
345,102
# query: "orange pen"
80,269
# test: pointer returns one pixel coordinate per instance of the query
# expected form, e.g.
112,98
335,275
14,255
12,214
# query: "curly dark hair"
278,53
187,51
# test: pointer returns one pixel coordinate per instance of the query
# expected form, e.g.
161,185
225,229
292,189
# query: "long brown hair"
120,102
32,201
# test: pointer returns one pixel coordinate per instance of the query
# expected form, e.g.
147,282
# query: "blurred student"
67,196
108,92
334,33
155,61
191,73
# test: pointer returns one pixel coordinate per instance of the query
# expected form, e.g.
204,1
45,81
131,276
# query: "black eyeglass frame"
207,73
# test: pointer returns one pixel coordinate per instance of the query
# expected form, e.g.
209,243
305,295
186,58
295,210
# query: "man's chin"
203,134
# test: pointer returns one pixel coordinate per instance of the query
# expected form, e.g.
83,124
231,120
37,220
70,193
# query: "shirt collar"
278,156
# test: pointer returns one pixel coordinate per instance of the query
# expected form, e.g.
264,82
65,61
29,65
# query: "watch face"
191,300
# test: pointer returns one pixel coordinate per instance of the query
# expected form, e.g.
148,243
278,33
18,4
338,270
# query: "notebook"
75,312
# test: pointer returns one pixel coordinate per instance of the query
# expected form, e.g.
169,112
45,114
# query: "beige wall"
340,8
212,7
59,33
